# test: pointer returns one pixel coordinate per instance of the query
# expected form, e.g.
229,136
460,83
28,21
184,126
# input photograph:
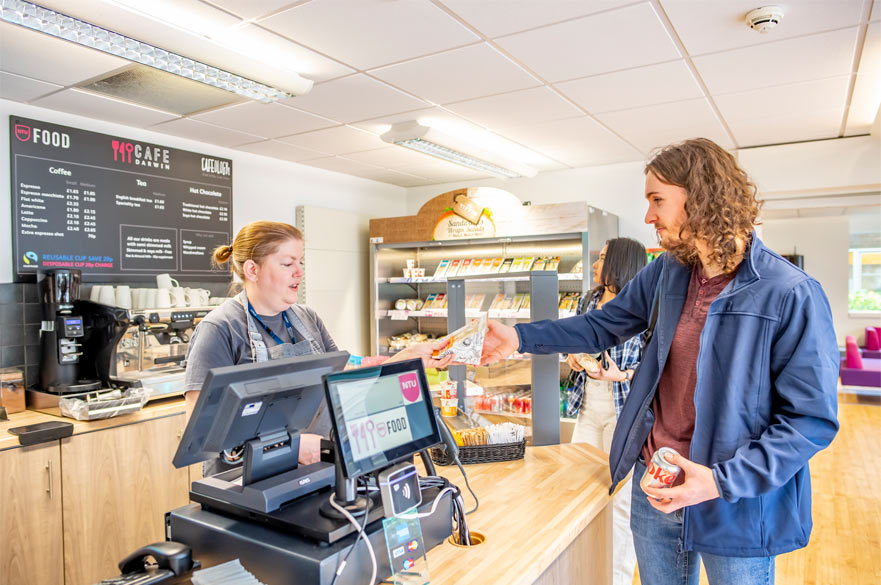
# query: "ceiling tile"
272,48
92,105
253,9
341,165
276,149
633,88
266,120
876,11
393,177
381,124
780,63
655,126
706,27
337,140
528,106
494,20
575,141
23,89
354,98
788,113
39,56
867,89
193,130
457,75
618,39
441,171
390,157
370,33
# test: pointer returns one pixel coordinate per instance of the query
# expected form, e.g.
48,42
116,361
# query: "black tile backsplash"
21,314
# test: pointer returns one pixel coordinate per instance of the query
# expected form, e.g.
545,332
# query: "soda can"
660,473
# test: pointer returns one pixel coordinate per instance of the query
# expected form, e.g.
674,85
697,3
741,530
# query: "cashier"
264,322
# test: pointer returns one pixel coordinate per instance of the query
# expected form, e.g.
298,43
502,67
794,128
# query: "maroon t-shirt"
673,403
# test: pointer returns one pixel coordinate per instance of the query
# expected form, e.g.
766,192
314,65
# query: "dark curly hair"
721,204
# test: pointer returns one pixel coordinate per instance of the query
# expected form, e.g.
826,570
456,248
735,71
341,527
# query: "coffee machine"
77,338
61,332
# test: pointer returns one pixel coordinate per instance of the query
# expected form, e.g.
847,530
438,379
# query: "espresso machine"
151,351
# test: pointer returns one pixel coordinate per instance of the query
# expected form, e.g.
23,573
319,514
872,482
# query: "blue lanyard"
275,337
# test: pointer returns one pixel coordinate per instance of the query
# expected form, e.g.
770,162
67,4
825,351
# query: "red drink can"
660,473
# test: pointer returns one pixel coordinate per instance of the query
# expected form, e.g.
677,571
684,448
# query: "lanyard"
275,337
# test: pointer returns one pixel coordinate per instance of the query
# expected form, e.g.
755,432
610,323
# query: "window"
864,258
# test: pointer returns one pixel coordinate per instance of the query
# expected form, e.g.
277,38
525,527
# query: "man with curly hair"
739,377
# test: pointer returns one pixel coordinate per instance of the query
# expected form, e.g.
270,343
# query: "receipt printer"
399,487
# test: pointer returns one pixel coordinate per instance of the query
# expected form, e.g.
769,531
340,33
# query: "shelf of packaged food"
515,277
398,315
507,413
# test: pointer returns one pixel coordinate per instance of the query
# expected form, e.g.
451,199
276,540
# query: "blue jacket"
765,399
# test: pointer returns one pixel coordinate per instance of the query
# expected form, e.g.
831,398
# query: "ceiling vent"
156,89
765,18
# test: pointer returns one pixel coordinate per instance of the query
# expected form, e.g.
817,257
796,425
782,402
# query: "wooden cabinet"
30,516
118,485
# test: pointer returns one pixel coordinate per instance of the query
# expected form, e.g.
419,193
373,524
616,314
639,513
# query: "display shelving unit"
537,377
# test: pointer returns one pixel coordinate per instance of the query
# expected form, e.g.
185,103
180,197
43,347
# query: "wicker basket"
481,453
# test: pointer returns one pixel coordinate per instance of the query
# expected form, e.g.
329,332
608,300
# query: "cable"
468,485
437,500
360,535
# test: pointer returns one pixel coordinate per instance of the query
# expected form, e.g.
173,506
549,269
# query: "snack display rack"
400,244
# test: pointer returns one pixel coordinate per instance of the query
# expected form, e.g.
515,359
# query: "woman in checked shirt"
597,398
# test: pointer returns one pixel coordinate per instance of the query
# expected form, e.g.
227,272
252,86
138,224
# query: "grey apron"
260,353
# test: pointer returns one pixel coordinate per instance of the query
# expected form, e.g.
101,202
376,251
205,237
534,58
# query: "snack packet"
465,343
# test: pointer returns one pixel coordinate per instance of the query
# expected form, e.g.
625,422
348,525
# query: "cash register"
275,515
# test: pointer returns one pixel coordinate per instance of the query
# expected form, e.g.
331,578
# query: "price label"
396,315
378,432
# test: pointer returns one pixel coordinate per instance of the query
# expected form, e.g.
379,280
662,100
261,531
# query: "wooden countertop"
530,511
153,410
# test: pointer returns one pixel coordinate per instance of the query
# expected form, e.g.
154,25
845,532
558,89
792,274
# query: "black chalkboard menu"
118,209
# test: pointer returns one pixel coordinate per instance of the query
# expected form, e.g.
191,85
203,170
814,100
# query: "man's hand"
612,374
310,448
500,342
424,351
699,486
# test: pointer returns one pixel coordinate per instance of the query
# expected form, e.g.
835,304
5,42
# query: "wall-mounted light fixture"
432,141
89,35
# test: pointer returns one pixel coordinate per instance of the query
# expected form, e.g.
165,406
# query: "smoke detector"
765,18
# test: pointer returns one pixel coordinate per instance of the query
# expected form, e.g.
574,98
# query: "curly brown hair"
721,205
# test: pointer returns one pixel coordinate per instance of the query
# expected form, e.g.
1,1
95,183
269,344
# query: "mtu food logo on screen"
54,138
409,386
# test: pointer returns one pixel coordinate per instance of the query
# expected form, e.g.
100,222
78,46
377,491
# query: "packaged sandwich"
539,263
506,265
553,263
442,269
588,362
465,343
454,268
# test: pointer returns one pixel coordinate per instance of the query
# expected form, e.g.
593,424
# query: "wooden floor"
845,547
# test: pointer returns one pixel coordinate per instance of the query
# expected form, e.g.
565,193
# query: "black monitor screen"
381,414
239,403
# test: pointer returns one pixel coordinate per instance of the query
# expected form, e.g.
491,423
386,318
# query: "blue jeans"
661,560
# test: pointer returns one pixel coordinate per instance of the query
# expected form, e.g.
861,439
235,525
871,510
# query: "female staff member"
597,398
263,322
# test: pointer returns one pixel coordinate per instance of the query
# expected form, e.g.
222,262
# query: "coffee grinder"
61,332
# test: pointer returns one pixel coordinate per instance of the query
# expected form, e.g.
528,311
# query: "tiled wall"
20,316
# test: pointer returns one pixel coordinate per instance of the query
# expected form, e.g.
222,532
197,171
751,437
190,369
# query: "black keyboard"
139,578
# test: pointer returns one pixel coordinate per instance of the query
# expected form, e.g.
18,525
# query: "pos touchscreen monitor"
380,415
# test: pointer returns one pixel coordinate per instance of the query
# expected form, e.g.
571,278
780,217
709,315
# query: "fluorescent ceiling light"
89,35
431,141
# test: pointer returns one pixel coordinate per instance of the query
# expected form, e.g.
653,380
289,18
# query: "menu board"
115,208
